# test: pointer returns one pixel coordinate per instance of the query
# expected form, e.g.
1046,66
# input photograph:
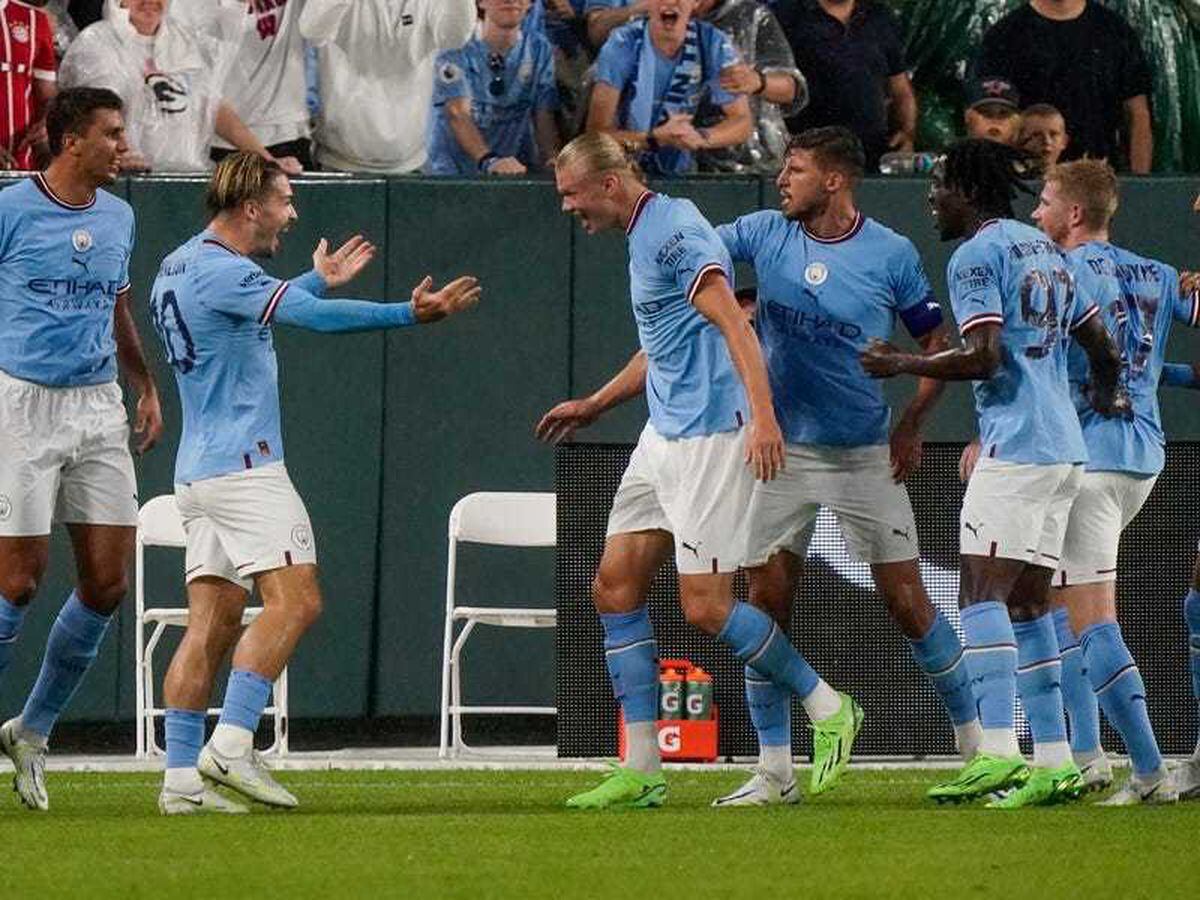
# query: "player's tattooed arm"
1107,395
977,360
561,422
907,445
714,300
148,423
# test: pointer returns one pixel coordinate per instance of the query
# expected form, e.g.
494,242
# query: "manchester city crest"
81,240
815,273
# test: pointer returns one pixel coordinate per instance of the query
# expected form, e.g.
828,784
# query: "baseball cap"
990,89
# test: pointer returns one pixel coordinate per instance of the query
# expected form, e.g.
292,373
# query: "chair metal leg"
459,745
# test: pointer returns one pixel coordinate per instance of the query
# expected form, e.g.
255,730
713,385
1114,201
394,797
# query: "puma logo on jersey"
695,549
902,533
974,529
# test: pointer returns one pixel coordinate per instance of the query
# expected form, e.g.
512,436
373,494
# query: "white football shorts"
64,457
696,488
1106,503
1018,510
244,523
853,483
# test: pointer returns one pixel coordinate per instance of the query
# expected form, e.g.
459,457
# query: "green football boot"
833,738
1044,787
982,775
623,789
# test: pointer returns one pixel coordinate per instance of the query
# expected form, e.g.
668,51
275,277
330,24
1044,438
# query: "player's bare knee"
104,594
704,613
613,595
18,586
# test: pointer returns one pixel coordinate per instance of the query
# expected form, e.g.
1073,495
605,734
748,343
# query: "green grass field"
506,834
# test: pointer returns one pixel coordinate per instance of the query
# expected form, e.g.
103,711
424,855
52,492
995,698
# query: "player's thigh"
98,485
102,557
293,589
1010,510
873,511
1104,505
706,496
259,519
628,565
781,515
215,608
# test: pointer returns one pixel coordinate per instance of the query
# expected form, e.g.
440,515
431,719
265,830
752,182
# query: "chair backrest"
159,524
510,519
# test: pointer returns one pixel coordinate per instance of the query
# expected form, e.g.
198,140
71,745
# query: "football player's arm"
131,361
1104,361
907,445
291,305
977,360
561,422
713,298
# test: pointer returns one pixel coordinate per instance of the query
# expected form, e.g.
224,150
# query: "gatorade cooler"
687,723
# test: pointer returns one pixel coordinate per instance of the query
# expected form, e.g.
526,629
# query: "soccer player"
829,280
213,307
687,485
64,435
1014,299
1139,300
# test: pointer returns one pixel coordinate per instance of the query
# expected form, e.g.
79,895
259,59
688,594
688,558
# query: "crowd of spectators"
494,87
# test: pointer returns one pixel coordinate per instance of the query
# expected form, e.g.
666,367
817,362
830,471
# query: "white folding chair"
159,525
499,519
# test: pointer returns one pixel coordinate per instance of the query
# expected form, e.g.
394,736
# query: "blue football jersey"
692,388
1139,299
619,65
819,303
505,92
62,266
212,308
1012,275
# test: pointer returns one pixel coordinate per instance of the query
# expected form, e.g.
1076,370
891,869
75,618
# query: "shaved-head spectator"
1044,133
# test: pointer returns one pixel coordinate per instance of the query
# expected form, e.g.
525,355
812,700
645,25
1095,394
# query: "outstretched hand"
345,263
431,306
564,420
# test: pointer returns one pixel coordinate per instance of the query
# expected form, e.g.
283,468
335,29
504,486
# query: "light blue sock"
1191,612
1118,685
1083,712
757,641
185,737
770,710
1039,679
246,697
991,655
940,656
72,646
631,654
11,617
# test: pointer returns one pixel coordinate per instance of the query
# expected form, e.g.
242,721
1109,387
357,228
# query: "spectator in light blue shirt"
652,76
494,100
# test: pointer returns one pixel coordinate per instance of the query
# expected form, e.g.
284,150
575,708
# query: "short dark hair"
1042,109
834,147
71,112
989,174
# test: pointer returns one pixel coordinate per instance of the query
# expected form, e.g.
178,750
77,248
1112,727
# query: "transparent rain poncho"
171,84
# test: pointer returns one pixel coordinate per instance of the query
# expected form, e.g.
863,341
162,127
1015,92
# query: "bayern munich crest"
19,32
81,240
816,273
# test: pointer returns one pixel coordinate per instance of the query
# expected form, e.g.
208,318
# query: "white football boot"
201,802
762,789
29,763
1187,779
1096,774
1158,788
245,774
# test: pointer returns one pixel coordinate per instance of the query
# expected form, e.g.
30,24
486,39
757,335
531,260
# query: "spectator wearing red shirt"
29,72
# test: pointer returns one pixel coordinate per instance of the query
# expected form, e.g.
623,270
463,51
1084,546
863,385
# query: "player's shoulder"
678,212
886,240
1143,268
214,261
16,195
111,204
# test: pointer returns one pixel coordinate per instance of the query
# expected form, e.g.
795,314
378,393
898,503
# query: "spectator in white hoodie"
376,76
171,80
